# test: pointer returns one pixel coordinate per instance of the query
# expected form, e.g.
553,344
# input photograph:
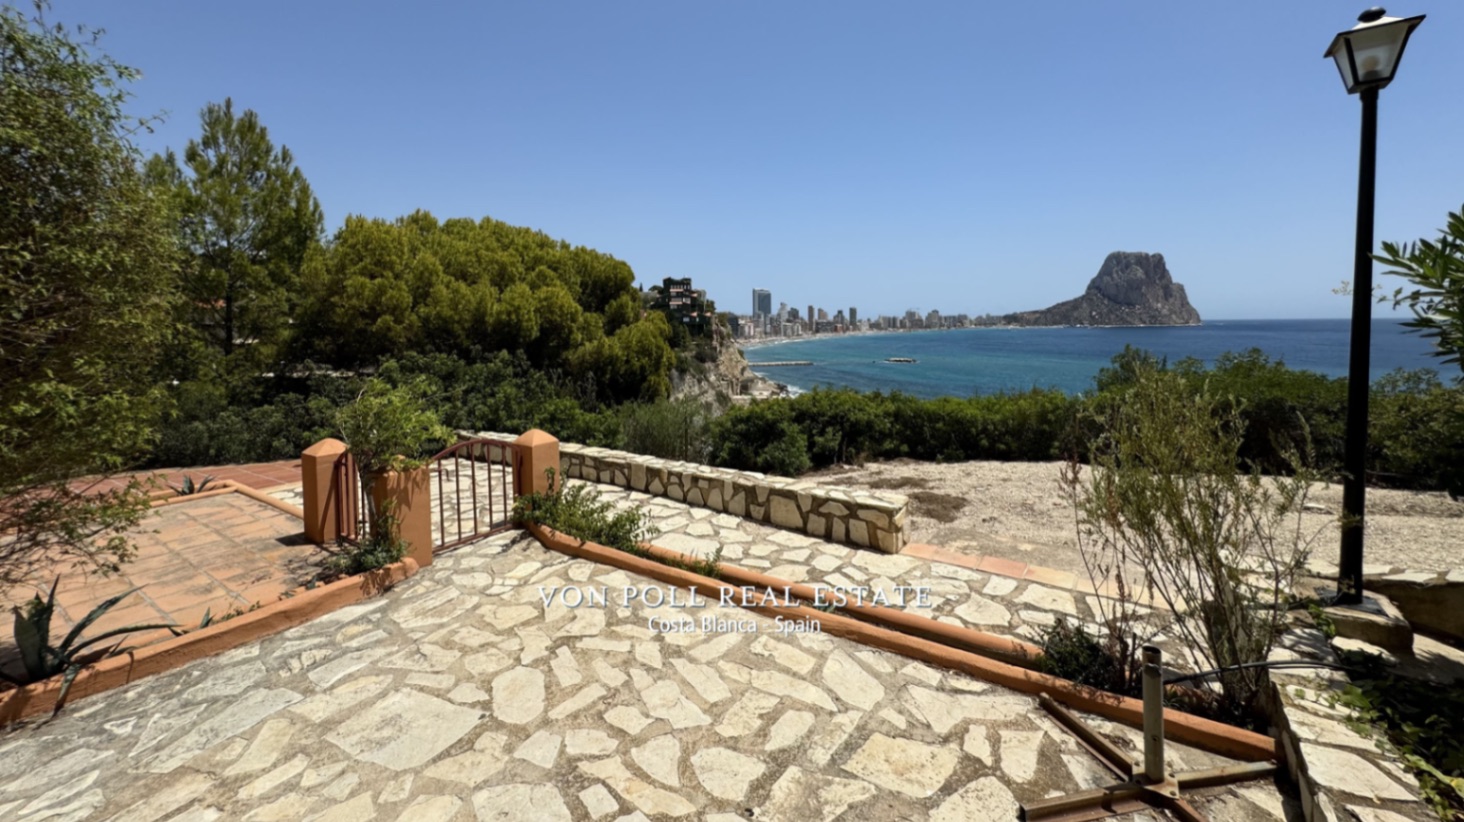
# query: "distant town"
691,306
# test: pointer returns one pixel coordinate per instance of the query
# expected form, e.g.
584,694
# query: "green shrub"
578,511
670,429
1420,722
760,437
1108,663
1281,408
380,547
1416,432
1221,549
824,427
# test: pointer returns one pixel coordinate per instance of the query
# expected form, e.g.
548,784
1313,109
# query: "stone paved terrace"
218,554
460,695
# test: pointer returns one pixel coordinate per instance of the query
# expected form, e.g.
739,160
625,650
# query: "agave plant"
43,660
188,487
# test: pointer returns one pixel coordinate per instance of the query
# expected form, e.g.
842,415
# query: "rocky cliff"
1132,288
723,380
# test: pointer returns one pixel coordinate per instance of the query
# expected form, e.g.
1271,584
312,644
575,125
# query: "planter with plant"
42,660
389,430
577,510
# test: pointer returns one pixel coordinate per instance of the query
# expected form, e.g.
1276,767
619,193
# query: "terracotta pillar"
412,494
317,474
539,451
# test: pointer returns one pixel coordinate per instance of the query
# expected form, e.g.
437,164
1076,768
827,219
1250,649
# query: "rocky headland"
1132,288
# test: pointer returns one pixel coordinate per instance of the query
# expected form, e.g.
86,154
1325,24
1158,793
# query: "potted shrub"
388,430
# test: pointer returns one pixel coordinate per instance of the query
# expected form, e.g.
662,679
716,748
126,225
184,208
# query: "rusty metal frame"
351,509
1146,784
498,515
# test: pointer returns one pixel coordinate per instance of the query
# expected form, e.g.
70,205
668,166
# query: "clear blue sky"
953,155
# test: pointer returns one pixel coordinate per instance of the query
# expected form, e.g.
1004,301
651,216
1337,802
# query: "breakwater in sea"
962,362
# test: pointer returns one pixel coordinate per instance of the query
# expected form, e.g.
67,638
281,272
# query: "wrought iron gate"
472,491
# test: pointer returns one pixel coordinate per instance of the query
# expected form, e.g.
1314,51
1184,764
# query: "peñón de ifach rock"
1132,288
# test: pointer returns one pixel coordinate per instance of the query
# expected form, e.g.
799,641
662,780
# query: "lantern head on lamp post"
1367,55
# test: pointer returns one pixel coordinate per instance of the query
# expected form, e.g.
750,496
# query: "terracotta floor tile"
218,554
1002,566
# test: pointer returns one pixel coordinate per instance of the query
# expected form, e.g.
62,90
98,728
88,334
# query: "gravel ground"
1017,510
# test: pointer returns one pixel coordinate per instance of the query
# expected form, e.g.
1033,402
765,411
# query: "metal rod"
1225,774
457,501
1108,753
1116,799
441,508
1184,810
1354,459
473,466
1153,715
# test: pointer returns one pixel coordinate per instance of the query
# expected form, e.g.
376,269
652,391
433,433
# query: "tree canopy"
383,289
1436,270
86,288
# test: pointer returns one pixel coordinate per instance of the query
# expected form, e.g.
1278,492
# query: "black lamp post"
1367,55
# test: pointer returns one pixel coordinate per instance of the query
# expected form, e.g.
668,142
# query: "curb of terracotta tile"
1007,649
1014,569
170,497
114,672
1202,733
174,498
260,496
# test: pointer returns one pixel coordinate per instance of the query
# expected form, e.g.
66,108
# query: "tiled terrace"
216,554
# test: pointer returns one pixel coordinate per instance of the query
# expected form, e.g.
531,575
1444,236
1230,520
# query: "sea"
968,361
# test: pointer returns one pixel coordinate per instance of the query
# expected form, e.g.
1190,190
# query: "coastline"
747,345
1068,357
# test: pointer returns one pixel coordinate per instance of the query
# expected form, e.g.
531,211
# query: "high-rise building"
853,315
823,314
762,302
793,314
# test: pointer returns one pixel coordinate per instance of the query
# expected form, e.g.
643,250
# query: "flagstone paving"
461,694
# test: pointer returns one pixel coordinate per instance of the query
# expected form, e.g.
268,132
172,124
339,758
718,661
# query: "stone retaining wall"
827,512
1340,774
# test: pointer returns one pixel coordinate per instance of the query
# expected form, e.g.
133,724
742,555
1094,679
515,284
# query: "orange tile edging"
228,487
114,672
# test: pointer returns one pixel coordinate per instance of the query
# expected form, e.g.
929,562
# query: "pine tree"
246,216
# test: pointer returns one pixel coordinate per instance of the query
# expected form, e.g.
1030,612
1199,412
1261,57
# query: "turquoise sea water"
969,361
